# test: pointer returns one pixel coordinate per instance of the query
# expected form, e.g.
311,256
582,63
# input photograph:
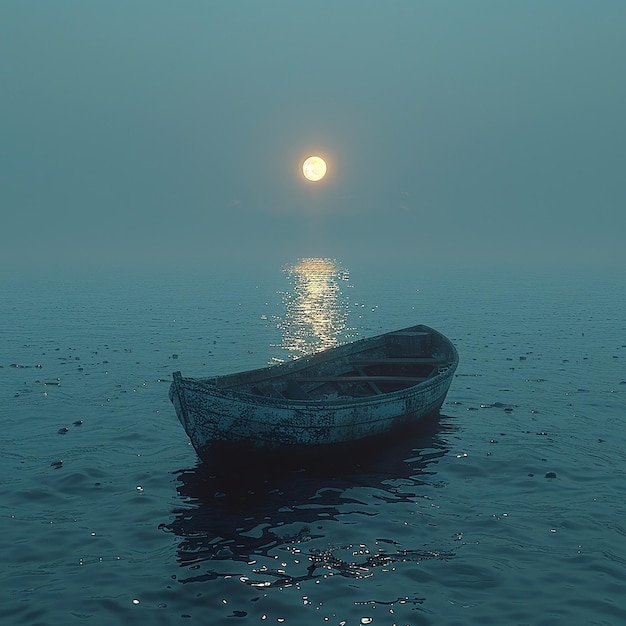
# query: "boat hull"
220,418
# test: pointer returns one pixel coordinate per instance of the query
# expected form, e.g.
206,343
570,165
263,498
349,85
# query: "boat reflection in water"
237,526
316,308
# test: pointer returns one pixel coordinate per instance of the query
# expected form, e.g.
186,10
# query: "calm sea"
512,510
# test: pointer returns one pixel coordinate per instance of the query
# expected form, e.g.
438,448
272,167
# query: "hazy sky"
159,134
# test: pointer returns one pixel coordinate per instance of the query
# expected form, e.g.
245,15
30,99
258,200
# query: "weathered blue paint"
390,380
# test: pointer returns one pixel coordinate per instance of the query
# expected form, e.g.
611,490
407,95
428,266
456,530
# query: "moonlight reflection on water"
316,307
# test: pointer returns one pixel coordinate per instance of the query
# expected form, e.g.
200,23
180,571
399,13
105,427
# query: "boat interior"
405,359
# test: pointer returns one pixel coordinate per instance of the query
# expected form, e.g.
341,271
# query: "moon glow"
314,168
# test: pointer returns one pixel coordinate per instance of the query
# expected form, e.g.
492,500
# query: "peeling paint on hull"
347,394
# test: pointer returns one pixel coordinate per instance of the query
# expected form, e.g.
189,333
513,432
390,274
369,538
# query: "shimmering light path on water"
510,510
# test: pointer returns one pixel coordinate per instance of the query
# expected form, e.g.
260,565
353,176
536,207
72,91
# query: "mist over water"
509,510
483,134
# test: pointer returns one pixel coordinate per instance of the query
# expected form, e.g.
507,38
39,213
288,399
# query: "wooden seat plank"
361,379
400,360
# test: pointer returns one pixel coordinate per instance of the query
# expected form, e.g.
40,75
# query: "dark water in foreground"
510,511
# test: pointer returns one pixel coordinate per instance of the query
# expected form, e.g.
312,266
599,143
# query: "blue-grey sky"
160,134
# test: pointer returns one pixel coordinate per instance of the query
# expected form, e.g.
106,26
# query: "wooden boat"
343,395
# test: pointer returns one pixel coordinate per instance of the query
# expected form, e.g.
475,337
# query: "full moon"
314,168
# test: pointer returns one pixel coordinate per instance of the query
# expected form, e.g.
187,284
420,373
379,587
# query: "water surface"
509,510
